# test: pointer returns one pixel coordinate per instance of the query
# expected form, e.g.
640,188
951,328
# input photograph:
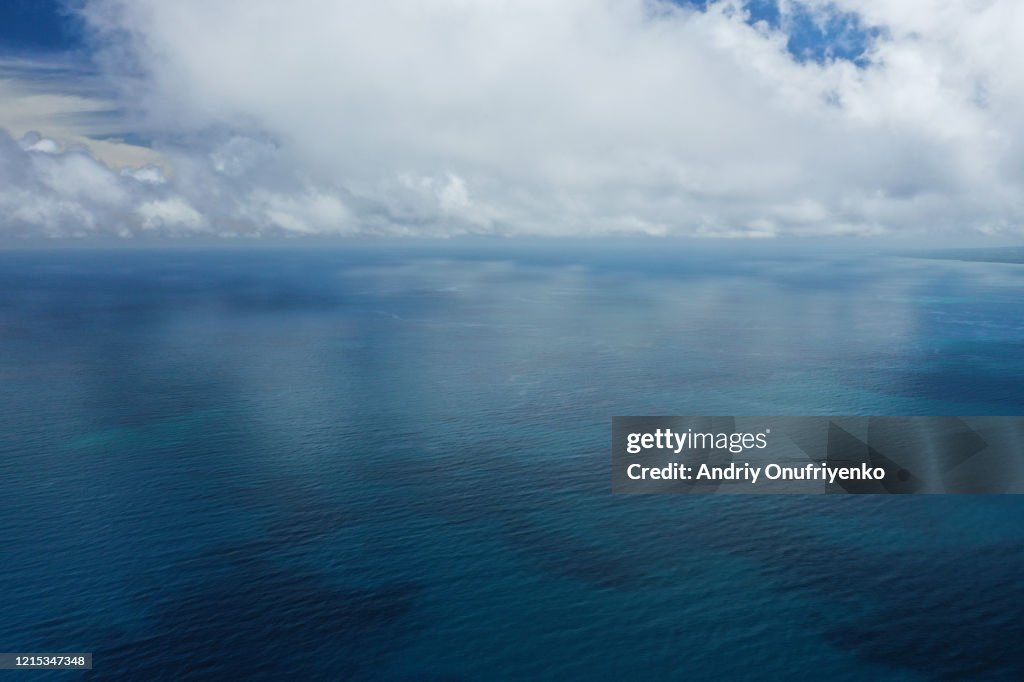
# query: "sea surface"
392,462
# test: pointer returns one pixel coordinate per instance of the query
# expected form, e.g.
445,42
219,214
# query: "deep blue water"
384,463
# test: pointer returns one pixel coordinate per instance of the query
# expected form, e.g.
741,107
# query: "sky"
710,118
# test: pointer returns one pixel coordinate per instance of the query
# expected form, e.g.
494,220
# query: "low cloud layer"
550,118
52,189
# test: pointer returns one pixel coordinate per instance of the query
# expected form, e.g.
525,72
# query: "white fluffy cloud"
51,189
538,117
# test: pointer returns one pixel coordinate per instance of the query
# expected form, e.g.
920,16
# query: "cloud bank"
576,117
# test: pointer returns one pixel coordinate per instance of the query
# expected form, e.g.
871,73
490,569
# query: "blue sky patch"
813,37
38,26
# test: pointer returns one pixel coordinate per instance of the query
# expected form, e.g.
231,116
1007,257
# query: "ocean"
393,462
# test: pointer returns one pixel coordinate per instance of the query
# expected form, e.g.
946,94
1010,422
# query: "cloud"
570,117
169,213
48,188
67,102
